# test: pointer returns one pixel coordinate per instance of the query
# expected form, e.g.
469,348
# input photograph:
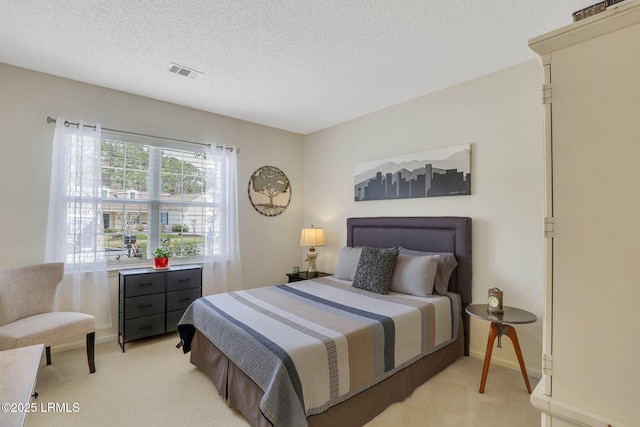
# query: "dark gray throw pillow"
375,269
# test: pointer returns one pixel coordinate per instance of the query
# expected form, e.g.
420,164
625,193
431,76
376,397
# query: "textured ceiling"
299,65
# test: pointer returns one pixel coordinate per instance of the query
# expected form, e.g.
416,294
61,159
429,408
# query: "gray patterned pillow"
375,269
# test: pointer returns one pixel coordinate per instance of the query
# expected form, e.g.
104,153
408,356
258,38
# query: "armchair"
26,311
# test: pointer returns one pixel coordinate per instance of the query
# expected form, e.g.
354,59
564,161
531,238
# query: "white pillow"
415,275
348,263
446,264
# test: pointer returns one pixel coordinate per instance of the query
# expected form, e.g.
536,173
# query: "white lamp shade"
312,237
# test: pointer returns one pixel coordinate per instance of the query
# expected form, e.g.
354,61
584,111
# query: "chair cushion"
45,328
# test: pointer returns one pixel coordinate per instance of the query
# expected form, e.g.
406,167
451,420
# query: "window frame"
157,209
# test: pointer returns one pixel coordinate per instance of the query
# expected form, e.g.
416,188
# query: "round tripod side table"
501,325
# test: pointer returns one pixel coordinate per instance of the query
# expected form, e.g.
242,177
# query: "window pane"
83,220
126,239
112,168
185,231
157,197
136,170
124,169
182,175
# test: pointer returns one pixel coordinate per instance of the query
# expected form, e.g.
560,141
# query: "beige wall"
500,116
269,246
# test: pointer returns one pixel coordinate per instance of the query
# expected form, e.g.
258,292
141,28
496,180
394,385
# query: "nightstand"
500,326
303,275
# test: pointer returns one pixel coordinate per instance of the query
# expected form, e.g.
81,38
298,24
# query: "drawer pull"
145,306
146,284
184,280
185,299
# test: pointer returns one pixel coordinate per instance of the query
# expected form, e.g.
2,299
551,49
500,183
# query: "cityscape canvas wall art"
433,173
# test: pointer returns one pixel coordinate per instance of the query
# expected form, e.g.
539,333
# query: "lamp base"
312,255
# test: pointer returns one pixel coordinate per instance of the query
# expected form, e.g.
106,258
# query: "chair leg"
48,353
91,343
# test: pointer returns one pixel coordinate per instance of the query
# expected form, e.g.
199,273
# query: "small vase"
161,262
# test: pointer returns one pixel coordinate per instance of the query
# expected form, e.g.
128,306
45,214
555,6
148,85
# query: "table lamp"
312,237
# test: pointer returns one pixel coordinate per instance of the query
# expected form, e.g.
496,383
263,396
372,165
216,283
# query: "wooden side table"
303,275
500,326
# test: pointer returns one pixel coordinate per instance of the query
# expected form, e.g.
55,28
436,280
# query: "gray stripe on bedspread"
387,323
456,307
328,342
271,346
398,299
376,327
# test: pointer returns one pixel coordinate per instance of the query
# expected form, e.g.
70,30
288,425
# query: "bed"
262,374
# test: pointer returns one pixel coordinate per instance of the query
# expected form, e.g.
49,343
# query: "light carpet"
153,384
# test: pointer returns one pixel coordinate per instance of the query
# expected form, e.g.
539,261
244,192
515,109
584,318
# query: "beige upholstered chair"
26,311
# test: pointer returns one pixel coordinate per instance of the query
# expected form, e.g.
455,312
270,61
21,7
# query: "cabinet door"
596,207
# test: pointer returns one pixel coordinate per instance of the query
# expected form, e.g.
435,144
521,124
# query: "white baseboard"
536,373
565,413
81,343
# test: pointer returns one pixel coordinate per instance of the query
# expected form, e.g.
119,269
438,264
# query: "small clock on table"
494,303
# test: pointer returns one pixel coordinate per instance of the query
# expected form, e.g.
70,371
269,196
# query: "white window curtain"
221,262
74,228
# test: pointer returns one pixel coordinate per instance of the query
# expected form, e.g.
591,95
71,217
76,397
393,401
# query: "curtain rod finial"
50,120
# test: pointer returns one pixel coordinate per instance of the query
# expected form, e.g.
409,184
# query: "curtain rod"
68,123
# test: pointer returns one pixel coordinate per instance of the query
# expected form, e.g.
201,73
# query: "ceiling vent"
183,71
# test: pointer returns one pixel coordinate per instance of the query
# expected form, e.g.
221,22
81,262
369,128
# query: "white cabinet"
591,339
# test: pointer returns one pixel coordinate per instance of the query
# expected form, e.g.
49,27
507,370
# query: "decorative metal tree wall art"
433,173
269,191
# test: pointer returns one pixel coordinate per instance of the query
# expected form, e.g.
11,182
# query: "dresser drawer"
143,306
184,279
173,317
143,284
181,299
144,327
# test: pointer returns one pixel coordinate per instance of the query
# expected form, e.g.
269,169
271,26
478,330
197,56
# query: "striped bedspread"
310,345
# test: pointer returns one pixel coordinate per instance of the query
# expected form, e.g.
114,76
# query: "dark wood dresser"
151,302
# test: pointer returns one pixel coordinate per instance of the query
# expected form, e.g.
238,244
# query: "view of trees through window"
155,197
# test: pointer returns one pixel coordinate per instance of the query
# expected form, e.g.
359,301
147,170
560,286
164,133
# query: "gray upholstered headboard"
428,234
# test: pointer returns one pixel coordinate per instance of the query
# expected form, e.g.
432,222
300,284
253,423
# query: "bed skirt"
243,395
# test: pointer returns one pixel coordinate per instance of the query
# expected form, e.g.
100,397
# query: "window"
157,196
185,200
